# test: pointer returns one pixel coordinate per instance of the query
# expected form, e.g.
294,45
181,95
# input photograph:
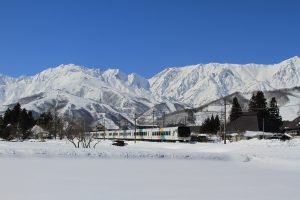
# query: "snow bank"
245,150
252,169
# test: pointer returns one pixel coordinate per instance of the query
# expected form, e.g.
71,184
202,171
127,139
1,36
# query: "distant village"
261,120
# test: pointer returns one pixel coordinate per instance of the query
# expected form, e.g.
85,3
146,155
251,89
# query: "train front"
184,133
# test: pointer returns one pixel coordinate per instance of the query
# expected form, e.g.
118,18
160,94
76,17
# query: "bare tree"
75,131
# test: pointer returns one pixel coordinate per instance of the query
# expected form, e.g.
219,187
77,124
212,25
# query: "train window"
184,132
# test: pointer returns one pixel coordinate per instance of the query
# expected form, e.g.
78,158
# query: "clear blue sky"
144,36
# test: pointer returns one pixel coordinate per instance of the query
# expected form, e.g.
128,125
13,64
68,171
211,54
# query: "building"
248,121
292,128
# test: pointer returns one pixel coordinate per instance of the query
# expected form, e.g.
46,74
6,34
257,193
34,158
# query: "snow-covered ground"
253,169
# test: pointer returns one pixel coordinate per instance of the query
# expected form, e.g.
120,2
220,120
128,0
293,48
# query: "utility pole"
119,122
18,130
54,122
55,115
134,127
221,116
163,119
263,128
225,120
153,118
104,127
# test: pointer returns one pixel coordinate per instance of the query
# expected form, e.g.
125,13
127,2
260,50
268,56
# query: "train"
167,134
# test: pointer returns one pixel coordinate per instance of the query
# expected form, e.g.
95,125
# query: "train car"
180,133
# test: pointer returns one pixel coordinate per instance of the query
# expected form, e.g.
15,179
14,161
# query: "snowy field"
254,169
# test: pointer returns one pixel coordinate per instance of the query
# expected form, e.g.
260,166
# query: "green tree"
7,119
16,112
258,104
210,125
236,110
205,125
26,122
1,125
45,121
217,124
16,123
275,120
273,109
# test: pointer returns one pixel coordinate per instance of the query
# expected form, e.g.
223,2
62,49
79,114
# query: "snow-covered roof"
37,129
257,133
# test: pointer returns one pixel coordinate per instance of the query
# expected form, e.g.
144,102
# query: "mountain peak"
114,74
138,81
65,69
70,67
292,60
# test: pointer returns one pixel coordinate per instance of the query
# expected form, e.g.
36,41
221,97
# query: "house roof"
246,122
293,125
195,128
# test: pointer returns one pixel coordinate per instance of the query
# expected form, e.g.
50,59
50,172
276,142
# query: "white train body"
147,134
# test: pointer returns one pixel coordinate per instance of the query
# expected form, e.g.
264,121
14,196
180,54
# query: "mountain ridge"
91,92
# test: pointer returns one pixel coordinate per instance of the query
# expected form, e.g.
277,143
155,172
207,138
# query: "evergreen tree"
204,126
1,122
269,119
273,109
275,120
252,104
16,123
258,103
236,110
7,117
26,123
217,124
16,112
46,121
1,125
212,124
261,103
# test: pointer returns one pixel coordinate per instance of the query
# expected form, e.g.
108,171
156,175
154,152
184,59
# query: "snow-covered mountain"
78,91
115,96
196,85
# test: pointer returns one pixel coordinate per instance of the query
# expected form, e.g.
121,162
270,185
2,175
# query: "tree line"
17,124
211,125
269,119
